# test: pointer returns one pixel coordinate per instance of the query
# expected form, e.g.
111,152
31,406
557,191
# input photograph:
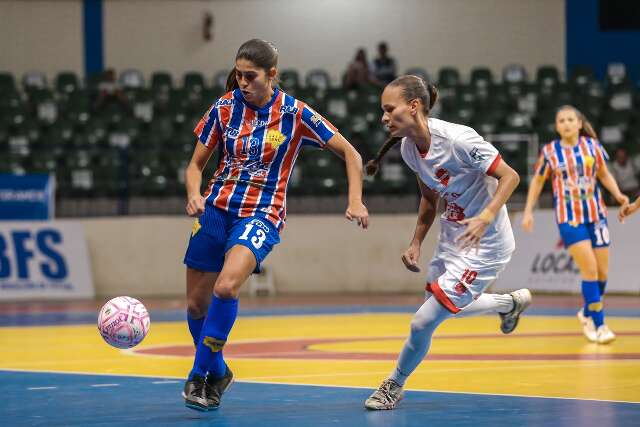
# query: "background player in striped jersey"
575,162
454,163
261,130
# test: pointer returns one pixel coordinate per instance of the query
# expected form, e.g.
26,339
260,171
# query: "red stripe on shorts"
441,297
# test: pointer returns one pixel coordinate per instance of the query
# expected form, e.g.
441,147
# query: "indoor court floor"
312,361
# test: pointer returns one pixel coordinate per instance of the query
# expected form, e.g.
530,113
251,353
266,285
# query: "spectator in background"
109,92
384,67
358,73
625,173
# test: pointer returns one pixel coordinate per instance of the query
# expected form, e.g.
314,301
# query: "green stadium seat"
547,75
131,79
318,79
7,83
448,77
194,81
581,75
481,76
161,81
514,74
66,82
289,80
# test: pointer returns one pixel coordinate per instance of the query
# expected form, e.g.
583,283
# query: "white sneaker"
588,328
604,335
387,396
521,300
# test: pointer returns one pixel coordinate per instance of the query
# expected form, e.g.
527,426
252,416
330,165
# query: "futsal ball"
123,322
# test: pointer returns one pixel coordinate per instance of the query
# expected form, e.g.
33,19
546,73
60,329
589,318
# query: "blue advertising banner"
26,197
44,260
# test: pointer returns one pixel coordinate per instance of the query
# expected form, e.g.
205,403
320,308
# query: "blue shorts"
217,231
596,232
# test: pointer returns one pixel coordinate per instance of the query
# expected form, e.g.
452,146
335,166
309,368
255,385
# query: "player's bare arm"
426,214
508,180
356,209
193,179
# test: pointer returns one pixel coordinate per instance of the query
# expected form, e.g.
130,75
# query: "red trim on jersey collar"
494,165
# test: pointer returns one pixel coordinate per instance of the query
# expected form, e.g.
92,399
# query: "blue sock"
217,325
602,284
195,326
592,302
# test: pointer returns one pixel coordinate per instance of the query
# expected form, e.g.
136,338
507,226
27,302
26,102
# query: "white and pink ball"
123,322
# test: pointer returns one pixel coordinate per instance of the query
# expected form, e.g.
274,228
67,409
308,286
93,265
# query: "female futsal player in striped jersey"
261,130
575,162
452,162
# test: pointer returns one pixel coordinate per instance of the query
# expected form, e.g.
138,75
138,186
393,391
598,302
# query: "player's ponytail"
413,87
373,165
587,127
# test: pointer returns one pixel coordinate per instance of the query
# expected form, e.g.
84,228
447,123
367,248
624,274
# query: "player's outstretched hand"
476,228
527,222
359,212
195,206
410,258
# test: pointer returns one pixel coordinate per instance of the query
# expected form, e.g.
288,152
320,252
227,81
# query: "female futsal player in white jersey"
452,162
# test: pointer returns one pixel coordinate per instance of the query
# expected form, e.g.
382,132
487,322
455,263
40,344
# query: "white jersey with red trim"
458,166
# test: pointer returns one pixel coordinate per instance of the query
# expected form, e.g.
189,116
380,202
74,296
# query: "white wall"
143,256
41,35
166,34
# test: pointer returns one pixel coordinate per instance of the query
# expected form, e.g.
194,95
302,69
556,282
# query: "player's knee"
420,325
197,309
589,273
227,288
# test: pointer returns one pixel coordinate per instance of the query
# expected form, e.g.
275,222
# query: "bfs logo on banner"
43,260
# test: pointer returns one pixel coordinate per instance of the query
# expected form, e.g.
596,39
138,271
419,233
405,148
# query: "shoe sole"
384,408
215,408
209,408
196,407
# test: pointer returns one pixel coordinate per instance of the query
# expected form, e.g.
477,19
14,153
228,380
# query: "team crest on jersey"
460,288
588,161
275,138
476,155
454,212
443,176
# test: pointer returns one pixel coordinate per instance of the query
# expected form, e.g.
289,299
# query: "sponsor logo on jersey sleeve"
476,155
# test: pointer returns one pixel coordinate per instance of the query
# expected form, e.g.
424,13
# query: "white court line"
105,385
41,388
339,386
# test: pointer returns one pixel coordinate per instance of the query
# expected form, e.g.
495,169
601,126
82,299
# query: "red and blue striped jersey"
577,196
259,146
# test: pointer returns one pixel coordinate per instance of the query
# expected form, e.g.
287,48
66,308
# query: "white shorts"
456,280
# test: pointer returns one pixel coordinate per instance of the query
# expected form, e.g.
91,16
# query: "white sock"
488,303
424,323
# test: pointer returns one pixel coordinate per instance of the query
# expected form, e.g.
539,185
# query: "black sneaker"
194,394
215,388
